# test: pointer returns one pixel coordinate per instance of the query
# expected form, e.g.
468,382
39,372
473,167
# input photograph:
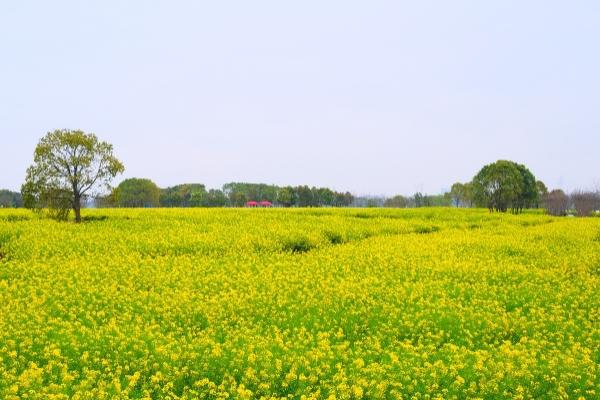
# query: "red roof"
251,204
266,203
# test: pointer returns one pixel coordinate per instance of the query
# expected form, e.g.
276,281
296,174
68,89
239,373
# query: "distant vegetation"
10,199
69,165
138,192
135,192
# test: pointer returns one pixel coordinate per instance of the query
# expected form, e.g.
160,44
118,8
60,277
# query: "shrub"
297,244
334,237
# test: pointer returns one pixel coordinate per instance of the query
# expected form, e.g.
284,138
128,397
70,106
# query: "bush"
334,237
298,244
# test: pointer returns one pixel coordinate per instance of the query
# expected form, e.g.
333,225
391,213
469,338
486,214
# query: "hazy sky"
369,96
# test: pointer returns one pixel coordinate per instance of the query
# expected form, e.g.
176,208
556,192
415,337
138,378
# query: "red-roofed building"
263,203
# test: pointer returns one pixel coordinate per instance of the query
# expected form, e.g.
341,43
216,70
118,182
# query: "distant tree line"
239,193
506,185
70,166
502,186
581,203
501,189
418,200
9,199
137,192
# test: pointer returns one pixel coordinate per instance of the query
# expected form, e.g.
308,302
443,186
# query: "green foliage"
9,199
426,229
343,199
215,198
505,185
397,201
542,192
297,244
239,193
286,196
424,200
137,192
420,200
67,166
334,237
461,194
304,196
54,201
528,197
185,195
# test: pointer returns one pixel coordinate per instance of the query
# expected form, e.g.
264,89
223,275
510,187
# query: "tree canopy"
461,194
184,195
238,193
137,192
397,201
9,199
68,166
505,185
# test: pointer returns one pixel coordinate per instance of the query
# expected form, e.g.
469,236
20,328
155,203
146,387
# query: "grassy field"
303,303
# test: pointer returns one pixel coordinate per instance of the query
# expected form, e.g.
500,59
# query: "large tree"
137,192
461,194
68,166
506,184
458,194
498,186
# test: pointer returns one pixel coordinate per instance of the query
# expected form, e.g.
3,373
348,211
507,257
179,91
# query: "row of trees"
10,199
583,203
499,194
419,200
137,192
507,185
502,186
69,166
238,193
499,186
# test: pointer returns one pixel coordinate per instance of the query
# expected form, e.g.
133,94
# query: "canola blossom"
299,304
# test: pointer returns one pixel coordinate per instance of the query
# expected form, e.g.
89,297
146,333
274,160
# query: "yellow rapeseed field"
302,304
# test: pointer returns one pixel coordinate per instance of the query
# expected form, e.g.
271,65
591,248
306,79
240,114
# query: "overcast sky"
375,97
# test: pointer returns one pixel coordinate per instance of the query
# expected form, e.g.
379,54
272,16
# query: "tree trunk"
77,208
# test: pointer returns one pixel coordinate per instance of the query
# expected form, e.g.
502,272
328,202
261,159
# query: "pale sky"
374,97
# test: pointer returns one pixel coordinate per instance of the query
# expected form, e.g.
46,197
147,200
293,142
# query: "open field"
322,303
